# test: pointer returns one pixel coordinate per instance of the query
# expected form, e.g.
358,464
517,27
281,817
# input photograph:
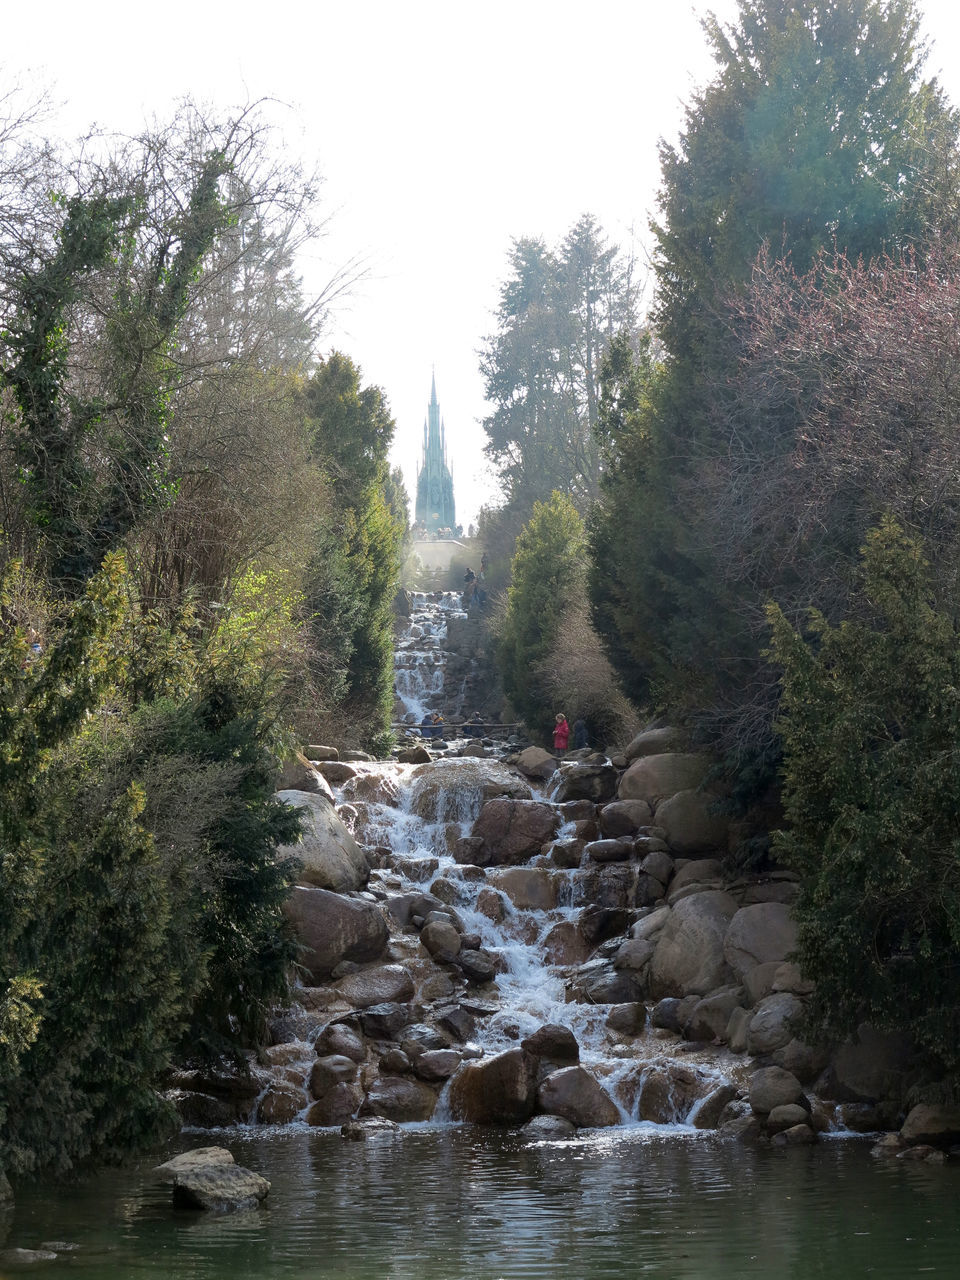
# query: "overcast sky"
443,131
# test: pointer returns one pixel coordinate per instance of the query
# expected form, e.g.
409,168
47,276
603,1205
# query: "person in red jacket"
561,733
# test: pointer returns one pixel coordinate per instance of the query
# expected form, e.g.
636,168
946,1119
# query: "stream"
442,1200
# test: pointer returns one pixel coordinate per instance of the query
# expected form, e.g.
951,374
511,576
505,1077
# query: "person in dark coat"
579,734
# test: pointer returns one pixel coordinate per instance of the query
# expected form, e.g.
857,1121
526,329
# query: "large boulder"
332,928
759,934
773,1024
654,742
336,1106
453,790
869,1067
376,985
331,857
586,780
691,823
513,830
208,1178
574,1094
610,884
298,774
665,1094
534,762
654,778
331,1070
400,1099
528,888
553,1042
939,1126
624,818
772,1087
441,939
689,956
497,1090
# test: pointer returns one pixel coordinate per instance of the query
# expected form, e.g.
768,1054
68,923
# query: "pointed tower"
435,506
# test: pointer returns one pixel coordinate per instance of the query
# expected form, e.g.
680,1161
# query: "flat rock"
220,1188
197,1158
376,986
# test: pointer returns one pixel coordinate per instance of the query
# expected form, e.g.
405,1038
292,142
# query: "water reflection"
448,1203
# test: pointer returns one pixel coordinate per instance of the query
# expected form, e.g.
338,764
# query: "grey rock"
772,1087
383,1021
772,1025
388,982
399,1099
689,955
332,928
331,857
574,1094
548,1128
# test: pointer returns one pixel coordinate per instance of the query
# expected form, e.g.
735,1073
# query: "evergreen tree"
558,311
356,569
548,567
816,130
870,721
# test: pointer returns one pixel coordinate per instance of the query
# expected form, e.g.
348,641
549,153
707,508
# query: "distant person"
579,734
561,732
476,721
426,726
438,725
469,586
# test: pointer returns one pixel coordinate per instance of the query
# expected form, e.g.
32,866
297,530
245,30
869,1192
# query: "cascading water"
525,918
419,657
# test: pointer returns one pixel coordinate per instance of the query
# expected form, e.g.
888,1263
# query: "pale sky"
443,131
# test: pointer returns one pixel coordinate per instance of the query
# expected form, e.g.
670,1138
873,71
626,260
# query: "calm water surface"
452,1203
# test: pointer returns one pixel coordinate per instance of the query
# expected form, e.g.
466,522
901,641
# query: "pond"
445,1202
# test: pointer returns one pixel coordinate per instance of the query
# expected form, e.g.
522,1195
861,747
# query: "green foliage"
142,896
558,310
548,567
355,573
870,723
84,499
816,130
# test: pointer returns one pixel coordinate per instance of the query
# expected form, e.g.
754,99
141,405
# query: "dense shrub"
870,722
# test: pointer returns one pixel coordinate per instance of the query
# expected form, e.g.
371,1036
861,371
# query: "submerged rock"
544,1128
208,1178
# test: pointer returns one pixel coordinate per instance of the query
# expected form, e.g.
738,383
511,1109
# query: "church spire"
435,505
